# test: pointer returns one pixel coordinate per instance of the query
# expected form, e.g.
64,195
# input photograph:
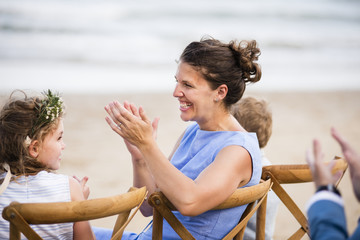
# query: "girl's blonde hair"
21,120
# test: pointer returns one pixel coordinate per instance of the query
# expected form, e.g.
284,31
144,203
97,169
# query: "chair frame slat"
248,195
21,215
292,174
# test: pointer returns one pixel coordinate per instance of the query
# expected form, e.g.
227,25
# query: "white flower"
27,141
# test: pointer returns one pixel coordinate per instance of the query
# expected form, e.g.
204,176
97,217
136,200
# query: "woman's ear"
34,148
222,91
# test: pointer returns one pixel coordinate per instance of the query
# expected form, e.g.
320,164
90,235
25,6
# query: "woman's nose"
177,91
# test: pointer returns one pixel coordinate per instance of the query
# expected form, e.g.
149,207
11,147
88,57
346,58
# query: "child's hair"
23,120
255,116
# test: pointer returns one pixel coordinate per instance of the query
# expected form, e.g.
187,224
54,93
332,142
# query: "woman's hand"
132,124
134,151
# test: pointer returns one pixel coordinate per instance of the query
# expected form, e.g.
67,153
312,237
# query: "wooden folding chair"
249,195
21,215
286,174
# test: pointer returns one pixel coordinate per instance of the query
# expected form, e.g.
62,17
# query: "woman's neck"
222,122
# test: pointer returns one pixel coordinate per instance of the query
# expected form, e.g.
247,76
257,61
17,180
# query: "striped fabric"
43,187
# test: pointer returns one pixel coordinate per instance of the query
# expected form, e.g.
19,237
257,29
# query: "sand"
97,152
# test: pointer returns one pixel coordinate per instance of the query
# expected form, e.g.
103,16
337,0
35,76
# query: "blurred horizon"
91,46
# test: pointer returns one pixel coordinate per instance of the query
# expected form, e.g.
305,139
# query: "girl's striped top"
43,187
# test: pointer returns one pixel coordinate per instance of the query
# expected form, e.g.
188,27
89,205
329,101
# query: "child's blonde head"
22,120
255,116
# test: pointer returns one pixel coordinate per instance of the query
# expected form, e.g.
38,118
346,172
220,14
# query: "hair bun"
245,54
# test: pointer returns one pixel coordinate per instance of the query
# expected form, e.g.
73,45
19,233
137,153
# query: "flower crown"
49,109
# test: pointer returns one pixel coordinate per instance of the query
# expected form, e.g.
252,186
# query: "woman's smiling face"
195,96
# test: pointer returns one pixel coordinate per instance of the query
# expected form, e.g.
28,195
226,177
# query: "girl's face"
194,94
51,148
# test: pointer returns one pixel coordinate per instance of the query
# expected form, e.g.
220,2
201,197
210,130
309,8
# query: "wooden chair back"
248,195
20,215
290,174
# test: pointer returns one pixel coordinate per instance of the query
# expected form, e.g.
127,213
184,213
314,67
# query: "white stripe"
43,187
324,195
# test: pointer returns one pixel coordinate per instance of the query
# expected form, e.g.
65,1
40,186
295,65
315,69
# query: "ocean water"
132,45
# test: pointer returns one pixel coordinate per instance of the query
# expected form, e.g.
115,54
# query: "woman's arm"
141,174
82,230
231,167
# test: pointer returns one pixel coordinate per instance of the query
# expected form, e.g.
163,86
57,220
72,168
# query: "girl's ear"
34,148
222,91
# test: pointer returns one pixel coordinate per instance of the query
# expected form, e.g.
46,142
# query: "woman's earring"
216,99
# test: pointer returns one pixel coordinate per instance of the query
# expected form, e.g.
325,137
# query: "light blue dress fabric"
196,151
105,234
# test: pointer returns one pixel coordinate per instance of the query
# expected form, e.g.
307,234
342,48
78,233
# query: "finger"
143,115
336,176
309,157
84,181
349,153
117,110
331,165
107,109
339,138
113,126
122,114
134,110
127,106
76,178
119,114
155,125
110,110
318,155
310,160
351,157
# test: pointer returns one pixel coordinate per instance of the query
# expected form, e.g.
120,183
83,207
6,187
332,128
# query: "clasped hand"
131,123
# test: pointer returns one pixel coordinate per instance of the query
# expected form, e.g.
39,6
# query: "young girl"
31,143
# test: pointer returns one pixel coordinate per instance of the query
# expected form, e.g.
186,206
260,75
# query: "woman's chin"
185,117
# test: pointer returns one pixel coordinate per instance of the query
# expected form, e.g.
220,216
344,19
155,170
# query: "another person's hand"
352,158
321,172
84,187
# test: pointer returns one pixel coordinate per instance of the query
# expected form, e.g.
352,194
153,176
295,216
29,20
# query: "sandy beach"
97,152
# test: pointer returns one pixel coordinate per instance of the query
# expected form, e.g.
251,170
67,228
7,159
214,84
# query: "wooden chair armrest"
61,212
246,195
240,197
296,173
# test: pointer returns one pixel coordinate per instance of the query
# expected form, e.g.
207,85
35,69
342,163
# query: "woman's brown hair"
233,64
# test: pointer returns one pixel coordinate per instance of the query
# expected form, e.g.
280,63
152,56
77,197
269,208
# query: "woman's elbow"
190,210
